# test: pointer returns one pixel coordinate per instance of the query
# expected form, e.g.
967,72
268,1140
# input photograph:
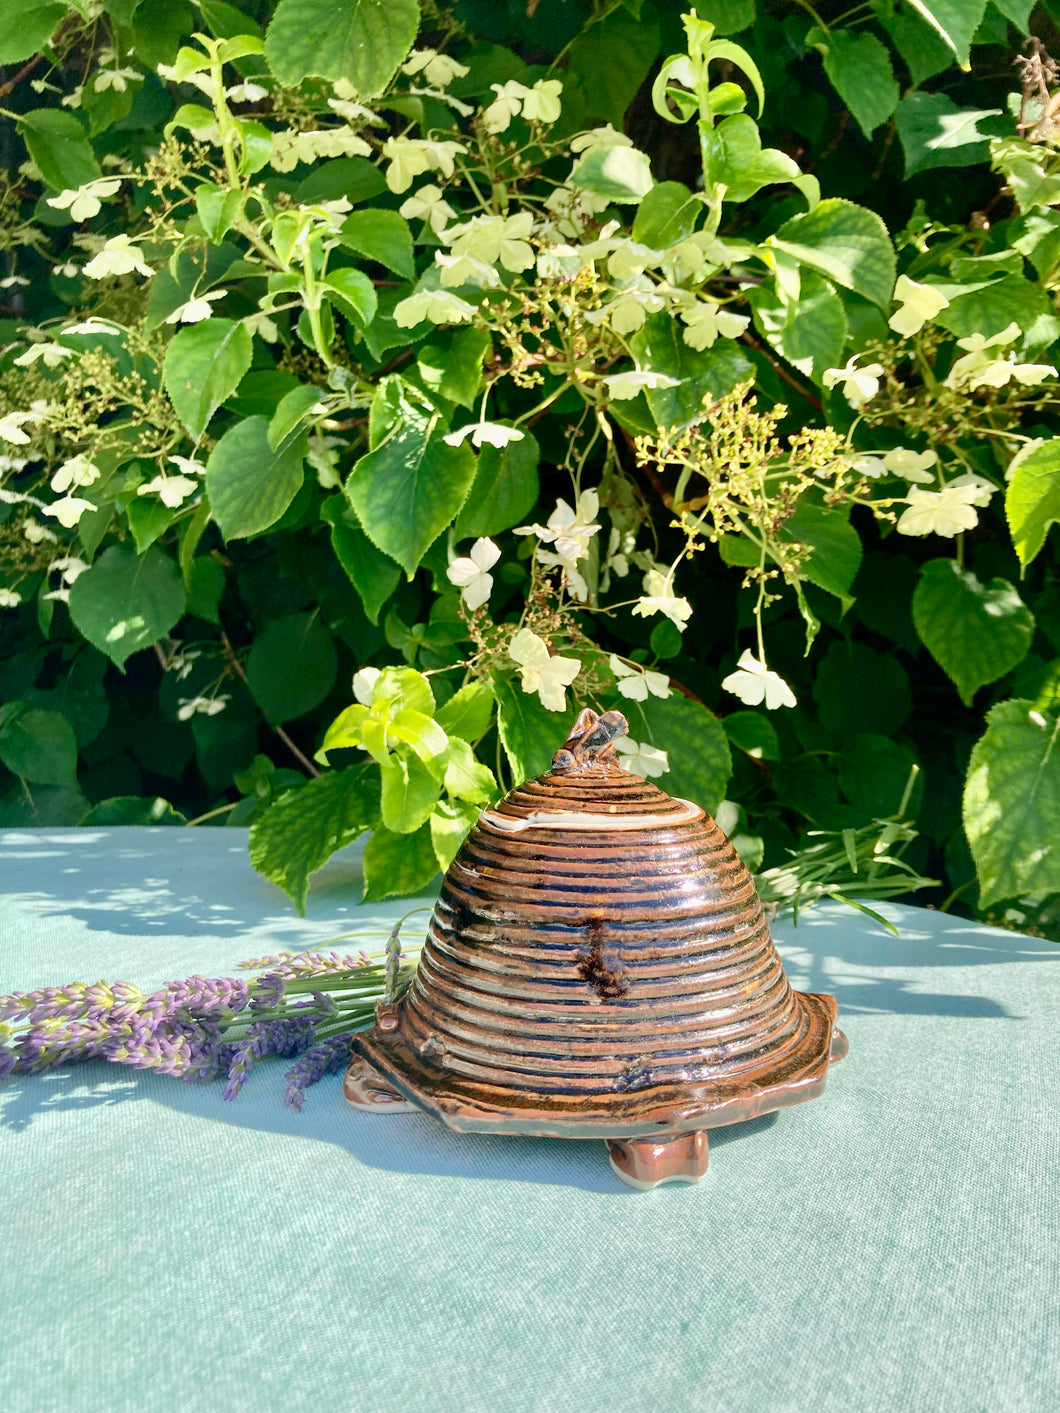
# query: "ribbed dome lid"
596,941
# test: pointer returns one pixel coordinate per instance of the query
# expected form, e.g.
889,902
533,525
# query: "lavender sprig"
204,1028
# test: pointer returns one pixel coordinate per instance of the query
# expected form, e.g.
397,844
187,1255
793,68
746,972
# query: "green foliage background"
317,542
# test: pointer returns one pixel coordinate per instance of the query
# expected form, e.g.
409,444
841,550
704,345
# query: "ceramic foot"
366,1088
840,1045
645,1163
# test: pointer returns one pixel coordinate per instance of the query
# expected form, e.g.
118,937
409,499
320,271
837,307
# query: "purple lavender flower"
314,1065
267,1037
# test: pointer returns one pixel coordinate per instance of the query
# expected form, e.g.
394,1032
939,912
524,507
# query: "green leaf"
727,16
467,714
1018,11
291,667
993,308
693,739
125,602
836,556
354,293
955,21
465,777
925,52
873,774
711,373
530,734
250,485
450,824
158,28
26,26
505,489
754,733
204,365
809,332
363,41
413,485
403,689
39,745
205,585
936,133
666,215
291,412
148,519
132,809
845,242
976,632
453,370
1012,803
383,236
410,792
218,209
858,690
300,832
859,68
373,574
610,60
355,178
1032,500
618,173
398,865
59,145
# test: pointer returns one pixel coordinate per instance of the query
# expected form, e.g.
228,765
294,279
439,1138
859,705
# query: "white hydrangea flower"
118,257
540,673
658,598
246,93
86,201
364,681
707,322
912,465
643,760
9,598
981,489
627,312
439,306
410,157
187,466
626,385
437,69
197,308
14,282
290,147
429,204
859,384
507,105
263,326
637,682
495,238
558,262
460,270
947,512
543,104
569,530
69,510
868,464
171,490
52,354
118,79
920,304
69,566
471,573
754,684
607,136
75,473
11,425
36,533
495,433
188,707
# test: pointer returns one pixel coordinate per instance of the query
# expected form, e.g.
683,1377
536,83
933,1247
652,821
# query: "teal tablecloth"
891,1246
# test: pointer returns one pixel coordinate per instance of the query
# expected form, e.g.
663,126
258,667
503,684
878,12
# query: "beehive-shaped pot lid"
599,964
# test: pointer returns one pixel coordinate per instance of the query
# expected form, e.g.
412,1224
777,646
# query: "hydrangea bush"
381,382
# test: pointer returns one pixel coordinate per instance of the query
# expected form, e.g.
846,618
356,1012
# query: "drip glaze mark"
609,985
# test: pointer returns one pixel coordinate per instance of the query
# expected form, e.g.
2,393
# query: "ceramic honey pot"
598,965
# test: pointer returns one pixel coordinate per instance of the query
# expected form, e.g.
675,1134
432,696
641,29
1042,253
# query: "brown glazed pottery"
598,965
